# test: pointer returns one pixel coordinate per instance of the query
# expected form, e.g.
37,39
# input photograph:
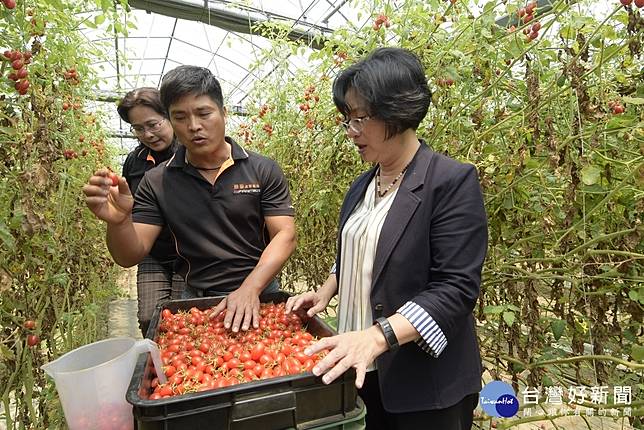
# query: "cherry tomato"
114,179
29,324
33,340
257,351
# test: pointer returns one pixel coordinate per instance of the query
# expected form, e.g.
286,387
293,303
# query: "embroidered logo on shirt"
252,188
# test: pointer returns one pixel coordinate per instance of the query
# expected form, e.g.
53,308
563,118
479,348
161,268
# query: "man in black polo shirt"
228,209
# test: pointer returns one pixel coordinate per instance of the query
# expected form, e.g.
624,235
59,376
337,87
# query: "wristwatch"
388,331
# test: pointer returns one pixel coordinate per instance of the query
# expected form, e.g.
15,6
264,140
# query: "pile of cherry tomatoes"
199,354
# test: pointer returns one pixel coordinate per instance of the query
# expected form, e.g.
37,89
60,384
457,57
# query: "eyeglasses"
355,124
152,127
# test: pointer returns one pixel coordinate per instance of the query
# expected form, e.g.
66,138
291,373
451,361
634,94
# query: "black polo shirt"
219,229
139,161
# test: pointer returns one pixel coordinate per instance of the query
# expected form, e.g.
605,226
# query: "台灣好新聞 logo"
499,400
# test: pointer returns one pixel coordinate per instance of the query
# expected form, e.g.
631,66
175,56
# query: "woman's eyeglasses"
355,124
152,127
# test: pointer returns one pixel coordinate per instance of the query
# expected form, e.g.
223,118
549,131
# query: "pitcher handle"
147,345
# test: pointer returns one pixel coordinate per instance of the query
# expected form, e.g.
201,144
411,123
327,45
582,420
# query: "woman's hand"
111,203
357,349
312,302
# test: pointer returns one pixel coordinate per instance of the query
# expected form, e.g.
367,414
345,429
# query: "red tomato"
164,390
266,373
301,357
249,375
33,340
29,324
245,356
176,379
233,363
286,349
292,366
114,178
308,365
222,382
258,370
257,351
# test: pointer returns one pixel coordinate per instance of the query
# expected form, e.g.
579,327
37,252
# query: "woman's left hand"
357,349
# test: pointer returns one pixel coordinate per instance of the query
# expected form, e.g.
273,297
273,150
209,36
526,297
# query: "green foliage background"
54,266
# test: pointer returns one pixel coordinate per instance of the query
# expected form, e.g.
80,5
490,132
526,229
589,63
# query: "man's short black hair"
186,80
392,82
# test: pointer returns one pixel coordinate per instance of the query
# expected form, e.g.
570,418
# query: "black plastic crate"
300,401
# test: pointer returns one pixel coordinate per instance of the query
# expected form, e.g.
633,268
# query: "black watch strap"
388,331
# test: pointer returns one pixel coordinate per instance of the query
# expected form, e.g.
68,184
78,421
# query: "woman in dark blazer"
411,244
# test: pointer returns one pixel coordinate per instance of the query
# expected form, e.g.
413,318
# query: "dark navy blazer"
430,251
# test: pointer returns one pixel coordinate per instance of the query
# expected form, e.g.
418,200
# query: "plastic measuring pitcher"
92,381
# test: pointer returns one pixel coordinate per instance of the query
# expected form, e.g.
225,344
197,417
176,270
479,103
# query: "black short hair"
186,80
144,96
392,81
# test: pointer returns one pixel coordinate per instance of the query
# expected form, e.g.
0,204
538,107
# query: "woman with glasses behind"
156,279
411,244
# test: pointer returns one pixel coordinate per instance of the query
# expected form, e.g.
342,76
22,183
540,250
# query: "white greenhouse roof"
209,33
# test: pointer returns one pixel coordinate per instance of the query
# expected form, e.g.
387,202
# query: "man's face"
198,123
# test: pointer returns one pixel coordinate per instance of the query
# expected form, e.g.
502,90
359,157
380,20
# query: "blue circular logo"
498,400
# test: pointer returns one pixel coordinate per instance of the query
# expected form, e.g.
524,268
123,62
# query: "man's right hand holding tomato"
108,201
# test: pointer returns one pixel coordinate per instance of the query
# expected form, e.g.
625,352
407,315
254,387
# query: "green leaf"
557,327
567,32
561,81
633,100
493,309
5,235
9,131
99,19
508,317
638,352
610,51
590,175
633,295
6,353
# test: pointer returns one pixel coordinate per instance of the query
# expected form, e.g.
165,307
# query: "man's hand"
110,203
242,309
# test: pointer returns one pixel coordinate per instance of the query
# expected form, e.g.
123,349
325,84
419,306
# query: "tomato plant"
52,296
